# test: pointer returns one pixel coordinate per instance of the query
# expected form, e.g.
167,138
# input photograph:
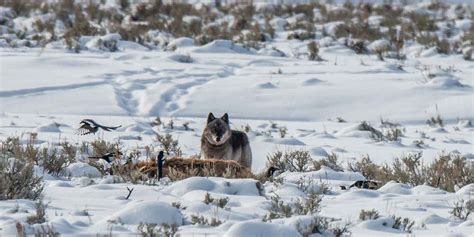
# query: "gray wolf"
218,141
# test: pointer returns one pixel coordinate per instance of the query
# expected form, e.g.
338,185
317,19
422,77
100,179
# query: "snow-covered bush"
18,180
449,170
366,167
331,161
462,209
313,49
290,160
309,205
168,144
35,24
368,215
150,229
40,215
393,134
403,224
380,47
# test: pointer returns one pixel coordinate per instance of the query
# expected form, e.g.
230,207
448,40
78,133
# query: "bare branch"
129,193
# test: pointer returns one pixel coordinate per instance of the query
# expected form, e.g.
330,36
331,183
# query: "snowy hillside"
352,113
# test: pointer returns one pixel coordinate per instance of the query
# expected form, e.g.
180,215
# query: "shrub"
303,206
101,147
151,230
393,134
462,209
55,162
435,121
449,170
282,131
168,144
374,133
358,46
368,215
156,122
340,229
178,205
47,230
201,220
407,169
318,225
330,161
18,181
307,185
403,224
313,50
219,202
290,160
366,167
40,215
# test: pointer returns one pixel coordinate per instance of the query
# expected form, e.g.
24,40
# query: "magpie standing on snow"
159,164
89,126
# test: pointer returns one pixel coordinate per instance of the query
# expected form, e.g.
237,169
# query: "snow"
48,91
82,169
153,212
381,45
395,188
251,228
52,127
221,46
181,42
235,187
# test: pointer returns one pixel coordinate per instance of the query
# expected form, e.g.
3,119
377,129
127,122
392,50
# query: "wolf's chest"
217,152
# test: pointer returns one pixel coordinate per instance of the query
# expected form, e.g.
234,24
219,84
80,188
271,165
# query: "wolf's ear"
225,117
210,117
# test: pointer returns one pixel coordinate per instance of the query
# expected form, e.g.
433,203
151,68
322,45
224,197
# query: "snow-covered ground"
49,90
130,88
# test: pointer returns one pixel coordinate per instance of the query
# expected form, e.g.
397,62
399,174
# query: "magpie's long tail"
108,128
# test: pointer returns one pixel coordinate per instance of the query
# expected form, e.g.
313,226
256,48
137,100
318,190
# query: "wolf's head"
217,130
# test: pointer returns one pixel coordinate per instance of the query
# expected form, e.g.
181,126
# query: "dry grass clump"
303,206
203,221
40,215
435,121
150,230
168,144
403,224
330,161
313,50
250,26
18,181
448,171
101,147
393,134
309,205
366,167
219,202
53,160
290,160
462,209
179,168
374,133
368,215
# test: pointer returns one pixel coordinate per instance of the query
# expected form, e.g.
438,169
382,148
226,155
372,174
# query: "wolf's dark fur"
218,141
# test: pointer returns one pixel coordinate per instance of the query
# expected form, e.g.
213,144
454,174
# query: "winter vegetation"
363,111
